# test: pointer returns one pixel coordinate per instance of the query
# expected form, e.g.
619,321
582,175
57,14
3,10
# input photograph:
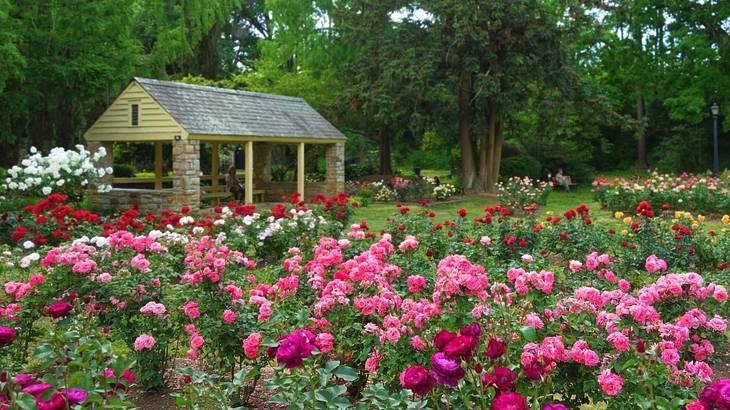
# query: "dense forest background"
521,86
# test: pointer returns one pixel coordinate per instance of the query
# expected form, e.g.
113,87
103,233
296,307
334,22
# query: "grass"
558,202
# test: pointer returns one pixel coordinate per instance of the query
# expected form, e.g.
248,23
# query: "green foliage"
521,166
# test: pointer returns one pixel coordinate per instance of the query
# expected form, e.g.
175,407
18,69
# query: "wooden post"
249,172
300,170
214,165
158,165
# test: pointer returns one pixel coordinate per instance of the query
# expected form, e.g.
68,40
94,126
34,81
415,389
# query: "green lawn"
377,213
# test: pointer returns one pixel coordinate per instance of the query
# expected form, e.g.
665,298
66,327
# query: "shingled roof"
223,111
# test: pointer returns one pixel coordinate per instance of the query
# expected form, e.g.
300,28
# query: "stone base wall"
186,174
147,200
335,176
273,191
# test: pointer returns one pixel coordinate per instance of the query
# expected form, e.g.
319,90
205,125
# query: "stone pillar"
97,199
262,164
335,178
186,173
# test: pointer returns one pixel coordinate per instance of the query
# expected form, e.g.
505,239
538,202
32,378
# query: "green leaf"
25,401
346,373
528,332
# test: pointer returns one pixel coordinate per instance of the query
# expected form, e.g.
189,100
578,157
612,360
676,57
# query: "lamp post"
715,108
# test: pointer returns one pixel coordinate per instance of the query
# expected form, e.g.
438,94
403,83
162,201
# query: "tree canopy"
460,84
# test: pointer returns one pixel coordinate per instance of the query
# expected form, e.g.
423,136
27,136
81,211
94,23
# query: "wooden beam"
214,164
158,165
300,170
249,172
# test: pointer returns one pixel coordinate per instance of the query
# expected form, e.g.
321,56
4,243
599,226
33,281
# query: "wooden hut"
186,116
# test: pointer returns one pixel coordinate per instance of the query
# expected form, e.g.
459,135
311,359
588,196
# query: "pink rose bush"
551,313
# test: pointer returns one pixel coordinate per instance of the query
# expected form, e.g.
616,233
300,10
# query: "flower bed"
700,193
475,311
523,193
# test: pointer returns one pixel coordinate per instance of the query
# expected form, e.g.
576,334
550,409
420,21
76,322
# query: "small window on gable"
135,115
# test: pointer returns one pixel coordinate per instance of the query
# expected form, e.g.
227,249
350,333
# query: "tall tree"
69,70
494,51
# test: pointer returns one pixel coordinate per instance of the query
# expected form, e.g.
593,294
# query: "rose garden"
364,204
302,304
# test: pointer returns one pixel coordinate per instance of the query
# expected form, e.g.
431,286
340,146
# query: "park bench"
566,183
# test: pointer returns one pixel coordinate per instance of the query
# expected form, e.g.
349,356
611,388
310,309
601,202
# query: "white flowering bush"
444,192
61,171
519,193
383,193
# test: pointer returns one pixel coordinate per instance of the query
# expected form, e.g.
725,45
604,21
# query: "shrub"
517,193
124,170
521,165
62,171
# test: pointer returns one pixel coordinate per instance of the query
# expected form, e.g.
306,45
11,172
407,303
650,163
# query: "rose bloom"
448,371
144,342
229,316
509,401
76,395
7,335
59,310
442,338
460,347
251,345
417,343
554,406
495,348
417,379
293,350
610,382
716,395
324,342
502,379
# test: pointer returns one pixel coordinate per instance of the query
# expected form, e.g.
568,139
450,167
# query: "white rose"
28,244
46,190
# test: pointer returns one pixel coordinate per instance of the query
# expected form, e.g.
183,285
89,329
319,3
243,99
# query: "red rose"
417,379
58,310
495,348
443,338
7,335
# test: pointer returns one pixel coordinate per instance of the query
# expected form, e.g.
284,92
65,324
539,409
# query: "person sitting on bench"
563,180
233,185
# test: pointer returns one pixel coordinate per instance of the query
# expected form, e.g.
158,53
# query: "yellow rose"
678,214
725,219
701,218
625,232
627,220
694,225
688,215
618,215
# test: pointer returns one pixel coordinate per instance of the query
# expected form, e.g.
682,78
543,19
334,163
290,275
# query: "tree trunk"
385,160
468,170
497,154
486,149
641,148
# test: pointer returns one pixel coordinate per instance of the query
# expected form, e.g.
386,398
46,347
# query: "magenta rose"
448,371
502,379
533,371
7,335
509,401
36,390
417,379
59,310
495,348
716,395
55,402
293,350
460,347
23,380
474,330
76,395
443,338
554,406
